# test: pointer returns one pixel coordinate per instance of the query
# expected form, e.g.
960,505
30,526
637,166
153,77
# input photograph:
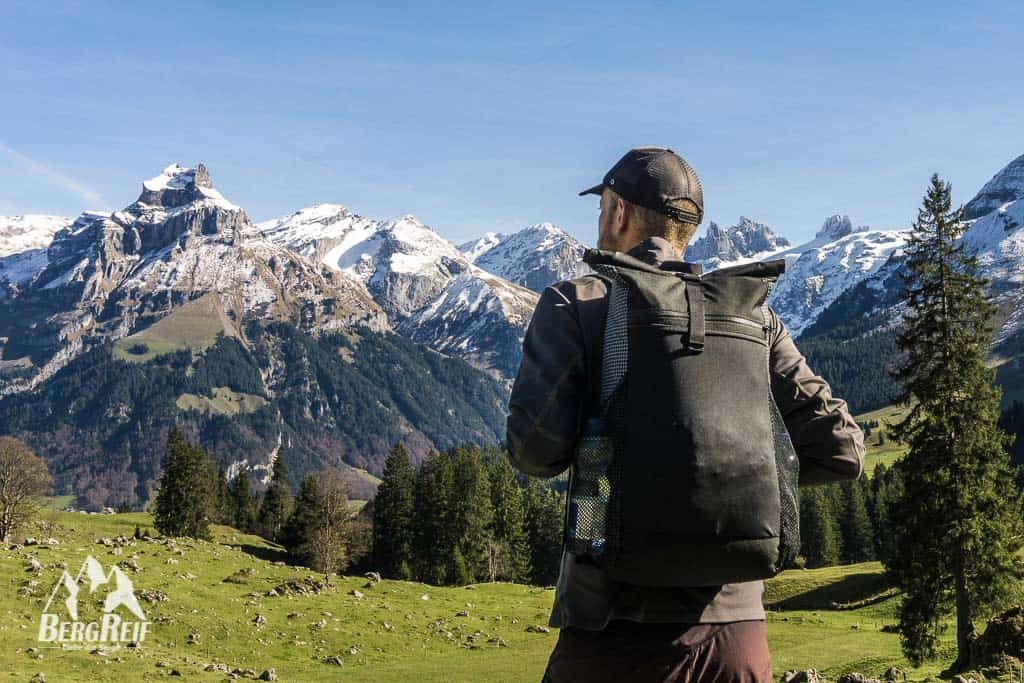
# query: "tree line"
464,516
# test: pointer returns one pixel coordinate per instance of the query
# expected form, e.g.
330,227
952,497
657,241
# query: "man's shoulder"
582,288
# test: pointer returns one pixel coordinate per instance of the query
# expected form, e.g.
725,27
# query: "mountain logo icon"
110,628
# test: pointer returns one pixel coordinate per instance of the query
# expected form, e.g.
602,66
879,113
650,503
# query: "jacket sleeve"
828,441
547,395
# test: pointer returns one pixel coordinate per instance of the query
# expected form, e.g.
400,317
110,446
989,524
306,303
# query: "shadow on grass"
847,590
267,553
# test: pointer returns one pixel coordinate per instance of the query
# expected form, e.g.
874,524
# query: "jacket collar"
659,252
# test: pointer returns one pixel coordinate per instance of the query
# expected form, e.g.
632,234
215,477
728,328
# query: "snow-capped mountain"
107,275
23,243
998,240
838,257
995,233
1005,186
533,257
745,241
430,290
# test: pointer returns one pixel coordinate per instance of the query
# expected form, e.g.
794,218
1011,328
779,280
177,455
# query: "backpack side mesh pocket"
788,465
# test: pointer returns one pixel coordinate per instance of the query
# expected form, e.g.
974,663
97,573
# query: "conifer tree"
433,541
392,516
958,525
887,486
545,521
305,511
277,502
243,505
223,509
184,501
471,514
855,524
819,533
509,525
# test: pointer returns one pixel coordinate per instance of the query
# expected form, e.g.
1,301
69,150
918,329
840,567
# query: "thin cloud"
55,177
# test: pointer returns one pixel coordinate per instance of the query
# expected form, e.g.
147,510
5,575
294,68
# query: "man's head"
649,191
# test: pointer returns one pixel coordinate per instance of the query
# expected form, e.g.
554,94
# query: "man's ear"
622,214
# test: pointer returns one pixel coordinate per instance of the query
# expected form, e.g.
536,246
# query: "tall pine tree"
243,505
277,502
545,517
855,524
392,516
958,524
433,538
510,539
471,514
184,502
819,532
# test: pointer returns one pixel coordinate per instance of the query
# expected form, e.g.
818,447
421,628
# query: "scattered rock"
152,595
259,620
854,677
963,679
356,594
1004,633
38,678
132,565
462,613
302,586
806,676
268,675
498,641
34,565
336,661
108,542
373,576
424,597
894,673
163,665
171,560
224,668
30,541
193,638
538,628
353,651
241,576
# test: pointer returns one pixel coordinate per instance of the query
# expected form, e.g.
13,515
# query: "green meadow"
216,611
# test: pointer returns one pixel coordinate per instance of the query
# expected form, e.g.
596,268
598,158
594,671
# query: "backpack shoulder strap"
615,350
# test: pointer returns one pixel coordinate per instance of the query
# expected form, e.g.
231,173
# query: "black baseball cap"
654,177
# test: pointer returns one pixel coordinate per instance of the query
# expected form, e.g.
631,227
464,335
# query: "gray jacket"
557,385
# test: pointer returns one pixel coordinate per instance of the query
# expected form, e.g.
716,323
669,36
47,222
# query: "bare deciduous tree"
23,478
327,539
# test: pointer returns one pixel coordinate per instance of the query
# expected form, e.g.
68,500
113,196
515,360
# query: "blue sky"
485,116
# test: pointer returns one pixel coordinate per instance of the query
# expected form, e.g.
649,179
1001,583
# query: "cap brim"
596,189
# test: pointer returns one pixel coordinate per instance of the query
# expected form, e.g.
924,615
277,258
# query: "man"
650,205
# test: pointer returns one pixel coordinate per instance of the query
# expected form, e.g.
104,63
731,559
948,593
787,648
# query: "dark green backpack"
687,477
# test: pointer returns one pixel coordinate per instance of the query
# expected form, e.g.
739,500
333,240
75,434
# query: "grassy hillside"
194,326
390,633
881,447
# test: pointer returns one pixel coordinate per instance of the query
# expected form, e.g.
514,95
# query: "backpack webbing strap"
695,301
615,354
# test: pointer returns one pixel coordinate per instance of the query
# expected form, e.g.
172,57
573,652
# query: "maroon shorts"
655,653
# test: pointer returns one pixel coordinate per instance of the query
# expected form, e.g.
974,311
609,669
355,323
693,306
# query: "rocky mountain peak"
835,227
1005,186
743,240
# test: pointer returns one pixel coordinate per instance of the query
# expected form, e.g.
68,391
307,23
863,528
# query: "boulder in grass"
805,676
268,675
855,677
1003,635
